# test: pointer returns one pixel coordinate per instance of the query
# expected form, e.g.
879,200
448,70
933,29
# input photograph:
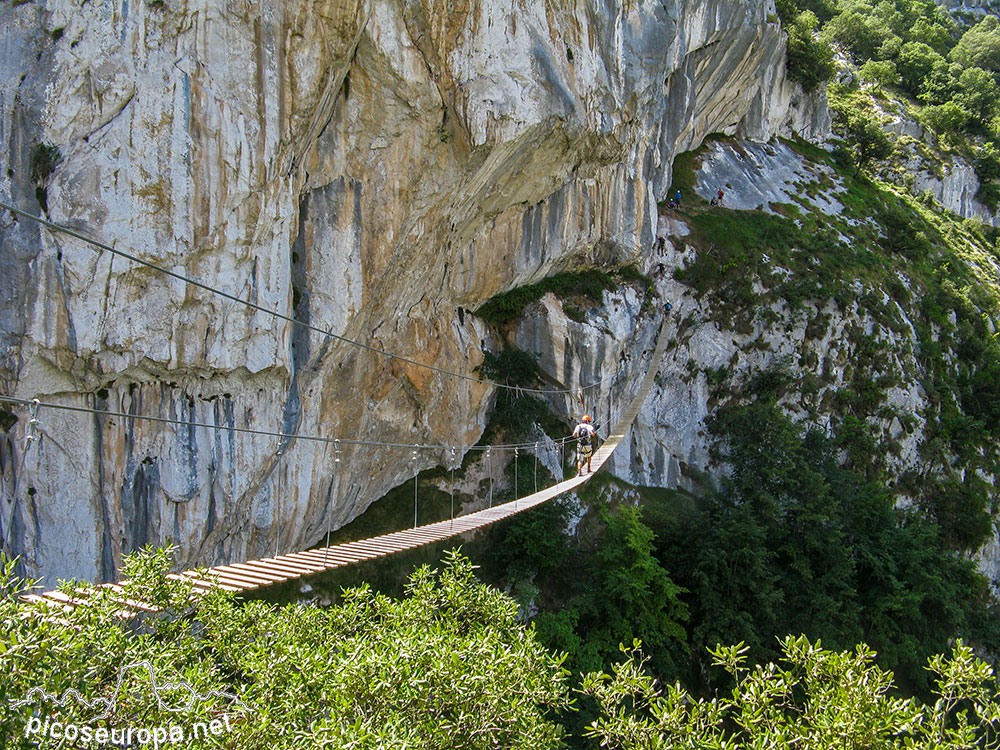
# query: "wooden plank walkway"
255,574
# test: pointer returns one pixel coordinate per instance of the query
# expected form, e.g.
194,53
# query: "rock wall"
925,167
374,168
971,10
954,185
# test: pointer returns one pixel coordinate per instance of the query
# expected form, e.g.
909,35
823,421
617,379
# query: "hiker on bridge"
584,434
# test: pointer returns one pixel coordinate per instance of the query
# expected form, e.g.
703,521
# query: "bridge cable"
287,318
252,431
277,498
489,464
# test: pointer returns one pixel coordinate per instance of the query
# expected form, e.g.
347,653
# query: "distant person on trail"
584,434
720,197
677,199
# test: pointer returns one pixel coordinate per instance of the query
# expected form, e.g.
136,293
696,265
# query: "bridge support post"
517,492
333,484
415,489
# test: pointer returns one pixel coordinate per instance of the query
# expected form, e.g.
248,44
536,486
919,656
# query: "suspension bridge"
243,577
255,574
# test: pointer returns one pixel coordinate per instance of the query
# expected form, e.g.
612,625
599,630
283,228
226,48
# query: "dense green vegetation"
447,666
810,698
924,280
611,594
949,72
820,548
794,542
912,45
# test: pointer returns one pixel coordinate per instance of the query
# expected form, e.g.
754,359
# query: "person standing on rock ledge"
584,434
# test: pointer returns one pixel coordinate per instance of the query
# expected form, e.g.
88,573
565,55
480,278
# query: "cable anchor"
31,435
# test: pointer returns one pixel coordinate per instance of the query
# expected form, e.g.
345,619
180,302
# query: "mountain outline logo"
109,703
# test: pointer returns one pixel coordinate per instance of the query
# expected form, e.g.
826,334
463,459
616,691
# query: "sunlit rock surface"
374,169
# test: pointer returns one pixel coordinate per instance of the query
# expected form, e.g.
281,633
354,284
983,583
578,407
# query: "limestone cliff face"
949,178
374,168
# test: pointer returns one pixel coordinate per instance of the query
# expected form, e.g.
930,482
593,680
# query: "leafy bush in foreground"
813,699
448,666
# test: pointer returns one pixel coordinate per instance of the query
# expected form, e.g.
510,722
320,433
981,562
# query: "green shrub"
987,163
448,666
944,119
511,367
808,697
978,95
961,509
44,159
904,232
934,32
979,46
940,85
989,195
866,139
810,59
915,62
880,72
859,32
